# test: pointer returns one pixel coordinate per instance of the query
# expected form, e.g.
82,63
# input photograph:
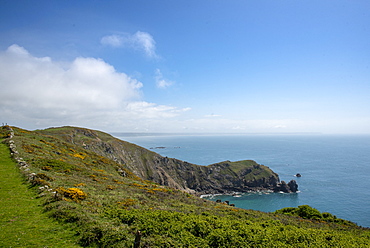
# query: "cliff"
223,177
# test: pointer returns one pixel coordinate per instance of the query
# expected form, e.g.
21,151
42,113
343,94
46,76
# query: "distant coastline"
146,134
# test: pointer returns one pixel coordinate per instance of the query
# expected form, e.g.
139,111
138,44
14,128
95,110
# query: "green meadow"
24,222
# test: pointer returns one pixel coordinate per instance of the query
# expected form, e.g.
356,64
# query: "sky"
209,66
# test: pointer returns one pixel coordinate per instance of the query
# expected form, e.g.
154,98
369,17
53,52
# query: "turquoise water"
335,169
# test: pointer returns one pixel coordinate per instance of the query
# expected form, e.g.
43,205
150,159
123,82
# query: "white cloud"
41,81
141,41
112,40
39,92
145,41
151,110
212,116
160,81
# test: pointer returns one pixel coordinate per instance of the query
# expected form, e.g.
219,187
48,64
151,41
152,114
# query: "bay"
335,169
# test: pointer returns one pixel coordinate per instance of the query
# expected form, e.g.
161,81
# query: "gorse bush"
74,194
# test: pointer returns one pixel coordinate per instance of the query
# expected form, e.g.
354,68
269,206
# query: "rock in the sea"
298,175
293,186
282,187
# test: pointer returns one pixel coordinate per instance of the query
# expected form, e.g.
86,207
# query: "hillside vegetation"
223,177
93,183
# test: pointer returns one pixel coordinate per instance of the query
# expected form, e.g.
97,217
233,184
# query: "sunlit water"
335,169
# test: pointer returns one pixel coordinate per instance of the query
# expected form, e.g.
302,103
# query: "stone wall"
23,165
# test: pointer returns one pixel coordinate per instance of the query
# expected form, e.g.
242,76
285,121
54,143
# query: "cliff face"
223,177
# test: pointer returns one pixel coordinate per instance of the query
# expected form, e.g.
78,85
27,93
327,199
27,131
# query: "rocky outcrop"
291,187
224,177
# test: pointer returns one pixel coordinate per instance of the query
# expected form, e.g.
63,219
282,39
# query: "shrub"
64,212
58,165
46,168
307,212
80,185
105,235
80,155
39,182
127,202
110,187
44,177
303,211
74,194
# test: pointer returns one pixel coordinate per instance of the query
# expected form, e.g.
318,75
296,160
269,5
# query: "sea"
335,169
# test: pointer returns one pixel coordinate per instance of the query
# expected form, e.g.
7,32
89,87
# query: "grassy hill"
83,182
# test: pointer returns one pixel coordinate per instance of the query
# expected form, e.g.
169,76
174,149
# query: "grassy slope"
23,223
117,207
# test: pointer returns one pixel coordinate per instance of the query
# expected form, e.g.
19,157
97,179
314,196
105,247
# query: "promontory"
219,178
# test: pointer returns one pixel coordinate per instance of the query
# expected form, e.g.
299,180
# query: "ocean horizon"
334,168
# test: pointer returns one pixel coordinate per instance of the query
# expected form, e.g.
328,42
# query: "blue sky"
186,66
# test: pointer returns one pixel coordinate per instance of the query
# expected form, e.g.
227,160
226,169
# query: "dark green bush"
303,211
105,235
55,164
307,212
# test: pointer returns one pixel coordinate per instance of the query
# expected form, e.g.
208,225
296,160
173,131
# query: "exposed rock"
122,172
282,187
31,176
22,163
293,186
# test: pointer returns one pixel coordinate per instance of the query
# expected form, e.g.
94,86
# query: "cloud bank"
86,91
38,92
141,41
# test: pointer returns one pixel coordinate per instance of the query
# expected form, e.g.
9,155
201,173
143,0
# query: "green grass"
22,221
239,165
